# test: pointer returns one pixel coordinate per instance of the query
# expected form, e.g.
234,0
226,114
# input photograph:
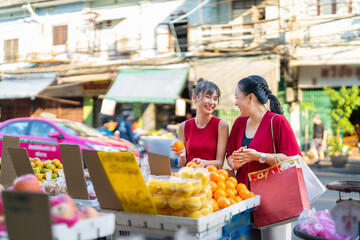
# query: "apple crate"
91,228
142,223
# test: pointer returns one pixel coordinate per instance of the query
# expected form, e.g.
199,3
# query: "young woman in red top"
250,145
205,136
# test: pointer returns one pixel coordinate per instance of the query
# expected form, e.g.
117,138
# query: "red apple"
64,198
64,213
27,183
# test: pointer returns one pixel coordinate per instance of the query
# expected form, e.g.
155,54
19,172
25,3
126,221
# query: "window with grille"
11,50
60,35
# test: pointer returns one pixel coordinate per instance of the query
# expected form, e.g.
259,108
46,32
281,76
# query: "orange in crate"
213,186
221,185
232,179
222,177
215,205
238,199
240,187
223,202
211,168
232,201
214,176
178,145
219,193
246,194
224,172
230,185
230,193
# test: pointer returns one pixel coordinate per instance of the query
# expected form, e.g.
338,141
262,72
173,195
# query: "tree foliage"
344,102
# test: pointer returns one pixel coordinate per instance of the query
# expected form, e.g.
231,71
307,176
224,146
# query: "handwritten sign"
127,181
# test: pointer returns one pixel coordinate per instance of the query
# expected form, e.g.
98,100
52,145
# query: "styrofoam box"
90,228
192,225
87,203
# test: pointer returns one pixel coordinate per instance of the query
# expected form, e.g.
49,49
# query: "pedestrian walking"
250,145
318,142
204,136
124,127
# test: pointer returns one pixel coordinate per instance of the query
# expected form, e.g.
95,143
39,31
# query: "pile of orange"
226,190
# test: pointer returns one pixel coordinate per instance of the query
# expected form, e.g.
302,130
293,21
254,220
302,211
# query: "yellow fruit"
48,170
60,166
160,201
40,169
54,176
57,171
204,199
34,160
168,187
56,162
39,176
208,192
197,186
176,202
192,203
32,164
46,163
51,167
154,186
207,209
39,163
185,188
179,213
43,180
203,174
186,172
36,170
194,214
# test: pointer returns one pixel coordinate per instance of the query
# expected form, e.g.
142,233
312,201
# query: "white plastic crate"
133,221
90,228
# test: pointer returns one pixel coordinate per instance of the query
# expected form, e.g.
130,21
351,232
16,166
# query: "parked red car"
41,137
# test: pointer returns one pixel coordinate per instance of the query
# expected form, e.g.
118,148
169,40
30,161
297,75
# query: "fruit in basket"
185,172
154,186
56,162
224,172
39,163
246,194
211,168
34,160
192,203
51,167
178,145
46,163
221,185
214,176
214,204
176,202
87,212
230,193
184,188
160,201
207,209
194,214
63,213
179,213
223,202
238,199
193,165
60,166
230,185
213,186
64,198
202,174
36,170
197,186
208,192
26,183
168,187
32,164
240,187
233,180
219,193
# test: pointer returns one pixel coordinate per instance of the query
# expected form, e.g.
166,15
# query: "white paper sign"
108,107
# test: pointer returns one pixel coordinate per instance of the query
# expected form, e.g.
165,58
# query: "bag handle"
273,140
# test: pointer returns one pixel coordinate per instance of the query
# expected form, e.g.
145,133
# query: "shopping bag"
283,197
313,185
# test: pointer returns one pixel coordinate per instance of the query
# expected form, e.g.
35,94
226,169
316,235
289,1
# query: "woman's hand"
180,153
234,164
202,163
245,155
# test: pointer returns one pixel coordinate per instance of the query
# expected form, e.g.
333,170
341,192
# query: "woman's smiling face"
241,101
207,101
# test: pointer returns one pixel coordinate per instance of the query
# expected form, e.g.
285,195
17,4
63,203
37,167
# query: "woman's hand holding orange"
179,149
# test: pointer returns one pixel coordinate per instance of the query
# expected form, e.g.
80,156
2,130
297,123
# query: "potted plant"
343,103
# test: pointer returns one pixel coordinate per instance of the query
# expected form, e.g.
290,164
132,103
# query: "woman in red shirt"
205,136
250,145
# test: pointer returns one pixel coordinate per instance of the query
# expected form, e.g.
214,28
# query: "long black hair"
259,87
204,87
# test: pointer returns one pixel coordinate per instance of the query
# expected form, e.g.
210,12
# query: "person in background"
204,136
318,143
124,127
250,145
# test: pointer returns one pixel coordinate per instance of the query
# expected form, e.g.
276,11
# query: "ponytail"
275,106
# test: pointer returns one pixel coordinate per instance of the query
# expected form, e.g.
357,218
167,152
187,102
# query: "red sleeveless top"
201,142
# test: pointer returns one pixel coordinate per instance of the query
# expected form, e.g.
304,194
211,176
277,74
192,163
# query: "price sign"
127,181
